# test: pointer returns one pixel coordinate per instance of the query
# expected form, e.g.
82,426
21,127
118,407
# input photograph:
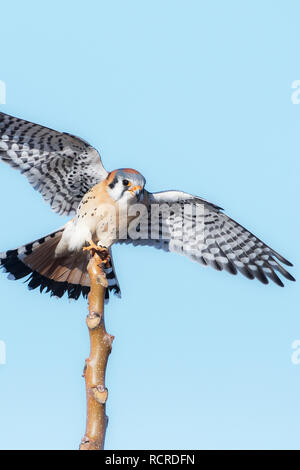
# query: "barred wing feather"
62,167
210,237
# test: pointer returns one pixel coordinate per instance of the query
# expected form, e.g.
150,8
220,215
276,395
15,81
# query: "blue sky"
197,96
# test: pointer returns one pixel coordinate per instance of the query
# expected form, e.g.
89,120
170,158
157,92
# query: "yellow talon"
101,251
92,246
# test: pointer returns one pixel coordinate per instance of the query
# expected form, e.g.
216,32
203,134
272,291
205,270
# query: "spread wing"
200,230
60,166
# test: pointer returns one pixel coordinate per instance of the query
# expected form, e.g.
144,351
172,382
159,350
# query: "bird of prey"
69,174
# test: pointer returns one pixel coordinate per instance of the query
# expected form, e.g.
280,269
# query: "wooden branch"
95,365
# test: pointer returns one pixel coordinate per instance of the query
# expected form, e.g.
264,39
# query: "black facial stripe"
113,183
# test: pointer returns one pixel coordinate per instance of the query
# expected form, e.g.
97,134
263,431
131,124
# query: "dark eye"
125,182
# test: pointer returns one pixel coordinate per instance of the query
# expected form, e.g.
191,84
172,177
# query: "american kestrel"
69,174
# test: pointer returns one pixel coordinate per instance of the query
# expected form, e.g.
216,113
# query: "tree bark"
95,365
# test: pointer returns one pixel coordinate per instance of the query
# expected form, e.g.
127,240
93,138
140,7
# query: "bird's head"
125,185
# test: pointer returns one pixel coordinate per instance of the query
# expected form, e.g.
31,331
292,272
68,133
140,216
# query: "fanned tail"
56,275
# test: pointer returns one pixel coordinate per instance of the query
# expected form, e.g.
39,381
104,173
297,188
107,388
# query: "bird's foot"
101,251
91,247
96,263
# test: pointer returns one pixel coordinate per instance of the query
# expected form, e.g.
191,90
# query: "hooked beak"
136,191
